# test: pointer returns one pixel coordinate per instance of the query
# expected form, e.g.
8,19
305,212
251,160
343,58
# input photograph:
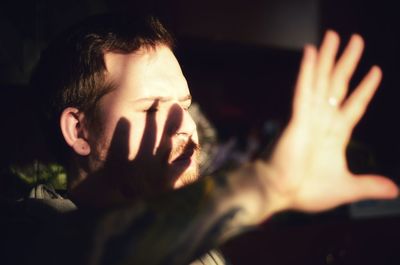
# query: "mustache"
184,149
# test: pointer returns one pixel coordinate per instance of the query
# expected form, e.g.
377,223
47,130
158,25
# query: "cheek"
195,137
158,136
147,134
139,137
162,132
121,133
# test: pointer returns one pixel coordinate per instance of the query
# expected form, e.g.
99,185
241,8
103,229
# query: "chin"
189,176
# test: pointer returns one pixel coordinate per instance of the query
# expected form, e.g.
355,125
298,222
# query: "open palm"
309,167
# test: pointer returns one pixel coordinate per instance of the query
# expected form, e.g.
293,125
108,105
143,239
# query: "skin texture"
307,170
129,158
150,83
147,140
314,142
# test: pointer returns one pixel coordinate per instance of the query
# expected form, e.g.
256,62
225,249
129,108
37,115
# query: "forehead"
149,72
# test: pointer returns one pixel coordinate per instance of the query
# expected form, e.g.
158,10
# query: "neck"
92,190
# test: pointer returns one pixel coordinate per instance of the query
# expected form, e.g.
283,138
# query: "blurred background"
240,59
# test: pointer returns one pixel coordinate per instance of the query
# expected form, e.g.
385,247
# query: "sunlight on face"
145,119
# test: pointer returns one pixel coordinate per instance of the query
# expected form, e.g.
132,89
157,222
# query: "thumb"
372,187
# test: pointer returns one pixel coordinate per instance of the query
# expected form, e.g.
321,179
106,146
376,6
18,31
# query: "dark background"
241,60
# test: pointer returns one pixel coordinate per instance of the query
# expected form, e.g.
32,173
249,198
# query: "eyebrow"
163,99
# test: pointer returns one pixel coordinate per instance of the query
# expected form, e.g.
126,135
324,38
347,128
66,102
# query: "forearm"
174,228
182,224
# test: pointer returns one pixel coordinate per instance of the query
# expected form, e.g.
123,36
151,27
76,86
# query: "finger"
305,79
164,151
325,63
174,120
355,106
345,67
372,187
171,126
119,145
149,136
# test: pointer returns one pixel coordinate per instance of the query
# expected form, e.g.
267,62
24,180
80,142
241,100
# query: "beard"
143,176
183,163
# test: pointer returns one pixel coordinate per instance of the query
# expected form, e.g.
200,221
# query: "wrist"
276,198
253,190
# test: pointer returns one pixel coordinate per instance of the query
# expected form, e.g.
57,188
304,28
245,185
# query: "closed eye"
152,109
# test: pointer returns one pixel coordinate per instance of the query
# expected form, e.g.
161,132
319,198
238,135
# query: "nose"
188,125
181,123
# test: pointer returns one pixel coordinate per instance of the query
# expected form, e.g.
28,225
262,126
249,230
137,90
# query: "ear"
74,130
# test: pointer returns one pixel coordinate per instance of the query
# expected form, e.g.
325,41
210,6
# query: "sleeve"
174,228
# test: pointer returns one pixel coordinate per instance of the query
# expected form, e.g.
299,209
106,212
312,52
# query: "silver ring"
333,101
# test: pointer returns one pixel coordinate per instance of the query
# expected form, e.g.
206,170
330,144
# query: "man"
115,97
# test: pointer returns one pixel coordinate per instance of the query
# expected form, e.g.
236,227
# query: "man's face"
146,133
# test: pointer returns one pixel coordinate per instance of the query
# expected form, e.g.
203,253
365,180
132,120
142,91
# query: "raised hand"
308,170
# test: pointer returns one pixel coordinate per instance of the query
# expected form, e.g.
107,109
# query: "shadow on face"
154,170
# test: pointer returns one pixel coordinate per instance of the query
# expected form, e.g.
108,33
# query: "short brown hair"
71,71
